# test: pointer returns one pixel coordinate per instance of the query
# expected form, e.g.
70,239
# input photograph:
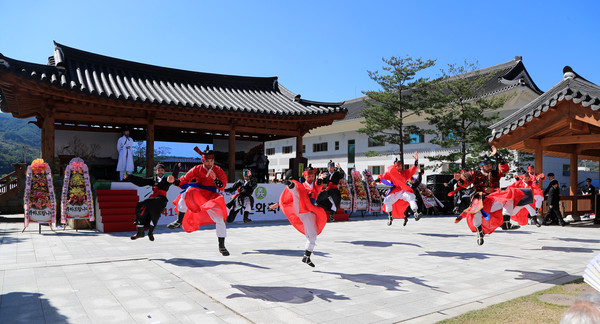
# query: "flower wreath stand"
39,201
77,201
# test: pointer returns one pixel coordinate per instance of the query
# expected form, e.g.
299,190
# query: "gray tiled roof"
572,87
107,77
500,78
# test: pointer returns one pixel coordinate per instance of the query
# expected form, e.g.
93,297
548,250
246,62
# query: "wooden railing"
9,183
585,205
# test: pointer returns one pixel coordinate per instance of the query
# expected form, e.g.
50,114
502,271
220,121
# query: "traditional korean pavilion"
564,122
83,91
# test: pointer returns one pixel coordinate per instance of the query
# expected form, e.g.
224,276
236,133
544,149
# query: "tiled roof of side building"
107,77
572,87
502,77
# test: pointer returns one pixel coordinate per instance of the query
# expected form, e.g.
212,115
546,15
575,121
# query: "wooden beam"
532,143
575,139
552,119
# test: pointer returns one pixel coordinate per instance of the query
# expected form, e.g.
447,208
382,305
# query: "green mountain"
18,140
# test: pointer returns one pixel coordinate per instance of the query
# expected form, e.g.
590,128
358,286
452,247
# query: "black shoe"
536,222
222,248
458,219
174,225
418,216
306,258
247,220
507,225
151,233
390,220
139,234
405,221
480,235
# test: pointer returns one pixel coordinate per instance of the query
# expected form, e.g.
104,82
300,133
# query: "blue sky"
319,49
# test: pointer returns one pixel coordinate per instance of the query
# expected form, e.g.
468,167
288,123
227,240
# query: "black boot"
306,258
405,220
418,215
457,219
507,224
139,234
246,219
480,235
151,233
331,219
561,221
231,216
390,219
177,223
222,248
535,221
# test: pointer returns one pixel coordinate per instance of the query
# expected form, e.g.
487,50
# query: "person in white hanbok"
125,149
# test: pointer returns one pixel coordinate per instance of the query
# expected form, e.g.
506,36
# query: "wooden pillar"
573,184
231,169
48,136
150,148
573,176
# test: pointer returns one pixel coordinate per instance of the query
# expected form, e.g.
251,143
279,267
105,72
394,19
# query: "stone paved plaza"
366,272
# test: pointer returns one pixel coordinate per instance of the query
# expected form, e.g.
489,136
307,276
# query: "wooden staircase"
116,210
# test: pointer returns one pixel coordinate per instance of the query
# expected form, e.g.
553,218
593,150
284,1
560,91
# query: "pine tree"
402,94
460,114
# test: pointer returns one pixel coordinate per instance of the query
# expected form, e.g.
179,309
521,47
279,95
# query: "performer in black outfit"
243,198
414,182
330,197
553,202
147,212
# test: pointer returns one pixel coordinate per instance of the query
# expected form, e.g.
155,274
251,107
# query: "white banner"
264,195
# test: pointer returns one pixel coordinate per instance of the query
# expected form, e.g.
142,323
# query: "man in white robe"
125,149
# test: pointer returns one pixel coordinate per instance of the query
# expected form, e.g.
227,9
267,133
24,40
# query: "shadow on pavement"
444,235
25,307
294,253
567,249
570,239
378,243
4,219
199,263
539,276
293,295
387,281
465,256
9,240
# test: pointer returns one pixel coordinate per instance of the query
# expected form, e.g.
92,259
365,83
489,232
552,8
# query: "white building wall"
345,130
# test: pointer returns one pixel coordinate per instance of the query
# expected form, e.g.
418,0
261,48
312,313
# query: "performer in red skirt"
297,201
526,182
202,203
538,196
487,180
400,196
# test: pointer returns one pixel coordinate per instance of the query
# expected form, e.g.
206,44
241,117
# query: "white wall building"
342,143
